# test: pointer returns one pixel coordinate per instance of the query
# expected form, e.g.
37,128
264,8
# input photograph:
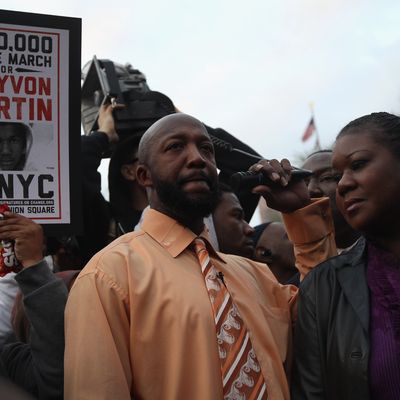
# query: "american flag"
309,130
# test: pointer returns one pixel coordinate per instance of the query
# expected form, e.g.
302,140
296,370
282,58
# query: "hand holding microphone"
281,185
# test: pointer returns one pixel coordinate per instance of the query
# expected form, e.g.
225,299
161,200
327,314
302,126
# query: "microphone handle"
245,181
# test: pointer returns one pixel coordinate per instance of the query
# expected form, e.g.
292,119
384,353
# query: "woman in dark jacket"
347,342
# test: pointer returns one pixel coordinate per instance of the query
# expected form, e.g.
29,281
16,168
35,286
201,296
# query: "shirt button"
167,244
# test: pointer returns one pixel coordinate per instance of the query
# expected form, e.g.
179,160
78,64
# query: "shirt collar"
340,250
170,234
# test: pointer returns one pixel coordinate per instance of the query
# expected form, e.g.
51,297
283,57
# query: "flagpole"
317,145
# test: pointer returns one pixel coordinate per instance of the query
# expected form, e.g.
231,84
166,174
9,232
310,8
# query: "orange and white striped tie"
241,373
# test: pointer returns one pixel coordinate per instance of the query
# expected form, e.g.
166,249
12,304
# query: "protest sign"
39,117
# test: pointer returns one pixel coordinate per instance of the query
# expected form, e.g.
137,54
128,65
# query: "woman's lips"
352,204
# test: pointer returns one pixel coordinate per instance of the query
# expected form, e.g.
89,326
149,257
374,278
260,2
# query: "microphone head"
244,181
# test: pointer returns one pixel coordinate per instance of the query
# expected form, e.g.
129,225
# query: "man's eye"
267,253
208,148
328,178
238,215
263,252
175,146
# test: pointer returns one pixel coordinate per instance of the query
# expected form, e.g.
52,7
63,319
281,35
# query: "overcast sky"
252,67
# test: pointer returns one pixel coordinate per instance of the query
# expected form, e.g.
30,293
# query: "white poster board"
35,118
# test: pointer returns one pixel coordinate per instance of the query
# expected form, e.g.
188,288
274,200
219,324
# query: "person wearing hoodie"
15,144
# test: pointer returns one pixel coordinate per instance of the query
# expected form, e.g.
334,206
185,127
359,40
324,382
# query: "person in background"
347,340
62,254
234,234
36,366
273,247
139,318
10,391
324,182
127,198
8,292
103,220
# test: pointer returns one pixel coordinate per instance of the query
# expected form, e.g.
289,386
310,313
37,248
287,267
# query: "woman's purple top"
383,277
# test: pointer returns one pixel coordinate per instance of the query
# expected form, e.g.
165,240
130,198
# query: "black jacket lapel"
352,277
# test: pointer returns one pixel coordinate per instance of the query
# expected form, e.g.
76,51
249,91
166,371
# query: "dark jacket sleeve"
307,372
92,148
95,209
38,366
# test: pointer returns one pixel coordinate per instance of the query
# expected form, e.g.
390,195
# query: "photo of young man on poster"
15,144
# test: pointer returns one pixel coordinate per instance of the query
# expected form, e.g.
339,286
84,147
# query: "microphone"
220,144
247,180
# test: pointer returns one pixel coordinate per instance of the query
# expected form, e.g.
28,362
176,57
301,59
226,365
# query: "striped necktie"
241,372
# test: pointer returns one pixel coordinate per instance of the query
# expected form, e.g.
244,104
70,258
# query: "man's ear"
128,171
143,176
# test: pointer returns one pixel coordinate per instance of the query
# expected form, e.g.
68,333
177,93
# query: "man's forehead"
9,131
182,130
231,200
319,161
181,126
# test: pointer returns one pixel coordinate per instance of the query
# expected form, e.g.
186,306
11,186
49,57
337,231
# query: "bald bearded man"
140,321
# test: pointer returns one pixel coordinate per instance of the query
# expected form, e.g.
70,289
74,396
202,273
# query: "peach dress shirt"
139,323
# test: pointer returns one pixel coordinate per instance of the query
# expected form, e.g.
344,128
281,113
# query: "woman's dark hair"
384,127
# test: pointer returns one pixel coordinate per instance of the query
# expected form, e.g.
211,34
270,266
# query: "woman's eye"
357,164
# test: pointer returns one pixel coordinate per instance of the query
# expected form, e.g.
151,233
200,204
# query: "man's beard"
181,206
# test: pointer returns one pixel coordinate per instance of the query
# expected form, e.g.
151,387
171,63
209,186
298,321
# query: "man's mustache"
200,175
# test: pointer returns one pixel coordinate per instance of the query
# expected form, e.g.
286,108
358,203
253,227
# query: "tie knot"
200,249
199,245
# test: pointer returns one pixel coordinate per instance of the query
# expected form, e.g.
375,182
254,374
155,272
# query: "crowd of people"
169,293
